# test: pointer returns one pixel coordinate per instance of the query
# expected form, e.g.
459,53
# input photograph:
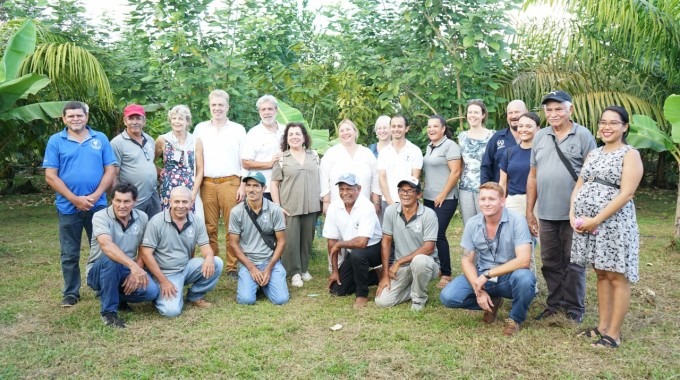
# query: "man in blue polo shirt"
79,166
496,257
501,142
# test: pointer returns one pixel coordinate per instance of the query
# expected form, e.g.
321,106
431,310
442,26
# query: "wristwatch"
486,274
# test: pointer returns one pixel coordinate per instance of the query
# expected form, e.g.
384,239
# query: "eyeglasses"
407,191
605,123
146,154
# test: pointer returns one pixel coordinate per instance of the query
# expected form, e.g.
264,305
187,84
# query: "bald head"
514,110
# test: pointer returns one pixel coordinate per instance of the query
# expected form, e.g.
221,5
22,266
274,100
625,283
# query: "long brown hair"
284,138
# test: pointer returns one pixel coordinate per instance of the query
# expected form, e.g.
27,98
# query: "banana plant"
645,134
319,137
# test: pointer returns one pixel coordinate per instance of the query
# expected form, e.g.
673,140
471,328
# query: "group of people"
270,186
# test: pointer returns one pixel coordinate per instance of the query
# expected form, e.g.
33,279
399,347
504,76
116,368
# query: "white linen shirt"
399,165
337,161
221,149
261,145
360,221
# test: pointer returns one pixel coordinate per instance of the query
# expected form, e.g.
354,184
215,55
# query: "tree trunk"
660,177
676,233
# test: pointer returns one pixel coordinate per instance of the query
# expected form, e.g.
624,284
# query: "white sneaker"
296,281
307,277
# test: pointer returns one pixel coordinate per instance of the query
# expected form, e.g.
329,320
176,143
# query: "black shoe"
545,314
69,301
124,306
576,318
112,320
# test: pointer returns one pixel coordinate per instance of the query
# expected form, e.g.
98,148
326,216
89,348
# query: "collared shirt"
128,239
270,219
553,182
80,165
136,163
173,248
513,231
408,237
399,165
221,148
436,167
495,149
338,161
261,145
360,221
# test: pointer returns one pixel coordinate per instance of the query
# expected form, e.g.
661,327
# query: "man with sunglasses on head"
134,150
413,229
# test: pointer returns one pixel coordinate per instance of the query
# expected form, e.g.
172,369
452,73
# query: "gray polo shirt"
270,219
136,163
173,248
512,232
104,222
553,182
436,167
408,237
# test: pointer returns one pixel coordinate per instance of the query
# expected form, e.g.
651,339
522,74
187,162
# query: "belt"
602,182
219,179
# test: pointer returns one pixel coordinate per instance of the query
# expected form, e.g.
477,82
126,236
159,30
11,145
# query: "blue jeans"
107,276
444,214
276,289
70,236
190,275
520,286
151,206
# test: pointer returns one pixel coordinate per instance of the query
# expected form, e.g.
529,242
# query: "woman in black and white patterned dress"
605,227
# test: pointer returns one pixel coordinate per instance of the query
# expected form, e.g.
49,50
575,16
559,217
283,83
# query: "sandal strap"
607,341
592,332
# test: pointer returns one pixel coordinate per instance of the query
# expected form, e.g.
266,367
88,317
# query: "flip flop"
443,282
605,342
592,332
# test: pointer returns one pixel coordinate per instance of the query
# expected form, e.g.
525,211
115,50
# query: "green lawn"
38,339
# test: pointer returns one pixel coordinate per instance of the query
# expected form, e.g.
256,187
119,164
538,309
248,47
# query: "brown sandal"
443,282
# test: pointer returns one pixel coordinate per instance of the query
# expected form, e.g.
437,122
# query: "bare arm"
531,201
384,187
208,267
385,251
158,152
503,180
168,290
198,175
451,181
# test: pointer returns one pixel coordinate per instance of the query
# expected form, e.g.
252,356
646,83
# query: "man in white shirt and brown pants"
221,188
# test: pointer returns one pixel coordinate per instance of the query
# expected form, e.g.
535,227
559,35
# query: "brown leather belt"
217,180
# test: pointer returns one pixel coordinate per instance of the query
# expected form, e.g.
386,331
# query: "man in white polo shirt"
262,148
221,188
353,232
168,252
398,160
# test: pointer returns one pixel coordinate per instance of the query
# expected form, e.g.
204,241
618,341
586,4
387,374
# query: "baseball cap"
558,96
411,180
134,109
259,177
348,178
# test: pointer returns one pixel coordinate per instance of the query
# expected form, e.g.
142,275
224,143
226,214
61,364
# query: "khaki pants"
411,283
219,196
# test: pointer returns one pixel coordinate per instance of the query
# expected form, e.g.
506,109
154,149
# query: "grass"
41,340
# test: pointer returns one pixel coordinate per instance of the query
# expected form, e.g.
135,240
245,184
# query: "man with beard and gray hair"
262,148
501,142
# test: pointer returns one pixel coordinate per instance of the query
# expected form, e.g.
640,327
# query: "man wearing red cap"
134,150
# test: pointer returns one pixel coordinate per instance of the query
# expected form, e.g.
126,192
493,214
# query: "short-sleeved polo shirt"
172,248
128,239
553,182
80,165
512,232
261,145
407,237
270,219
136,163
360,221
398,165
436,167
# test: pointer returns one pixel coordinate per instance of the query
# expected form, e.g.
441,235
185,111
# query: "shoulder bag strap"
566,162
259,229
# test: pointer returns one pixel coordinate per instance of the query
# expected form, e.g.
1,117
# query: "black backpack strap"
566,162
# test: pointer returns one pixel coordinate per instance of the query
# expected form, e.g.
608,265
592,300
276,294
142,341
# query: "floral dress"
178,168
616,246
472,151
